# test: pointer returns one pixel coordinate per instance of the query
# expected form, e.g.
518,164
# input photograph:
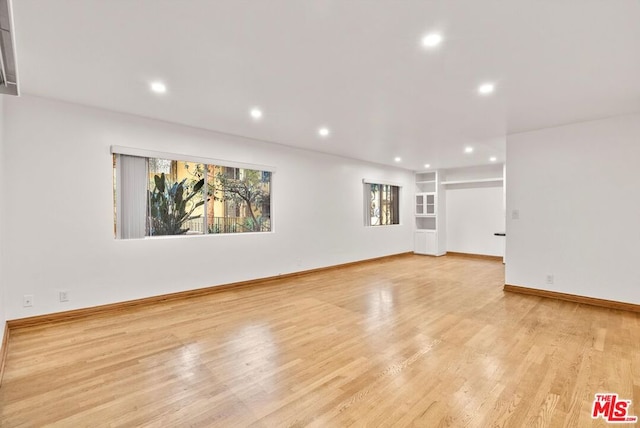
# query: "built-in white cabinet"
426,214
425,242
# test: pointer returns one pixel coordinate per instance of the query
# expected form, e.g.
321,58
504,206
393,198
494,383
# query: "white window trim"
131,151
367,218
144,153
376,181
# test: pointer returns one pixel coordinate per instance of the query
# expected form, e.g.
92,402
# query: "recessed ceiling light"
158,87
493,159
486,88
324,132
256,113
431,40
397,159
468,149
426,165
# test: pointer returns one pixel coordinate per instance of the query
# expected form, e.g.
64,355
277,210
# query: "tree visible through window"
185,198
383,204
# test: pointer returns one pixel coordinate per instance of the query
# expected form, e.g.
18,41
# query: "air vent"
8,72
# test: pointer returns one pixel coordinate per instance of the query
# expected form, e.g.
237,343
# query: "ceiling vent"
8,71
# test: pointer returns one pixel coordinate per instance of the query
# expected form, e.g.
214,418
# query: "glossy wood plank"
411,341
111,308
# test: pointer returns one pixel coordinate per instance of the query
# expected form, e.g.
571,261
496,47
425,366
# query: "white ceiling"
356,66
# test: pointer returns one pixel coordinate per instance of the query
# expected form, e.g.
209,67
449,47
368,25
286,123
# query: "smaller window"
382,206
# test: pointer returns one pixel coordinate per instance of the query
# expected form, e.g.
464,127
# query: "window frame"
149,154
367,198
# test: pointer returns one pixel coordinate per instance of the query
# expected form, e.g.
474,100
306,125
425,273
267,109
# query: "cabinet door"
430,204
420,243
431,239
420,204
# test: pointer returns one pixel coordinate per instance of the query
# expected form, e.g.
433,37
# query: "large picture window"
382,204
155,196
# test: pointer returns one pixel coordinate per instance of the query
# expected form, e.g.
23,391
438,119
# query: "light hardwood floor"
411,341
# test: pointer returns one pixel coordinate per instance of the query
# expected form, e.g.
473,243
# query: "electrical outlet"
63,295
27,300
549,278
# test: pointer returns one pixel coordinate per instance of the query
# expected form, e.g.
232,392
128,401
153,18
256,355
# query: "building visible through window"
156,197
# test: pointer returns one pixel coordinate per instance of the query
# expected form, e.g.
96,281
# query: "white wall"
577,190
59,222
3,316
474,214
